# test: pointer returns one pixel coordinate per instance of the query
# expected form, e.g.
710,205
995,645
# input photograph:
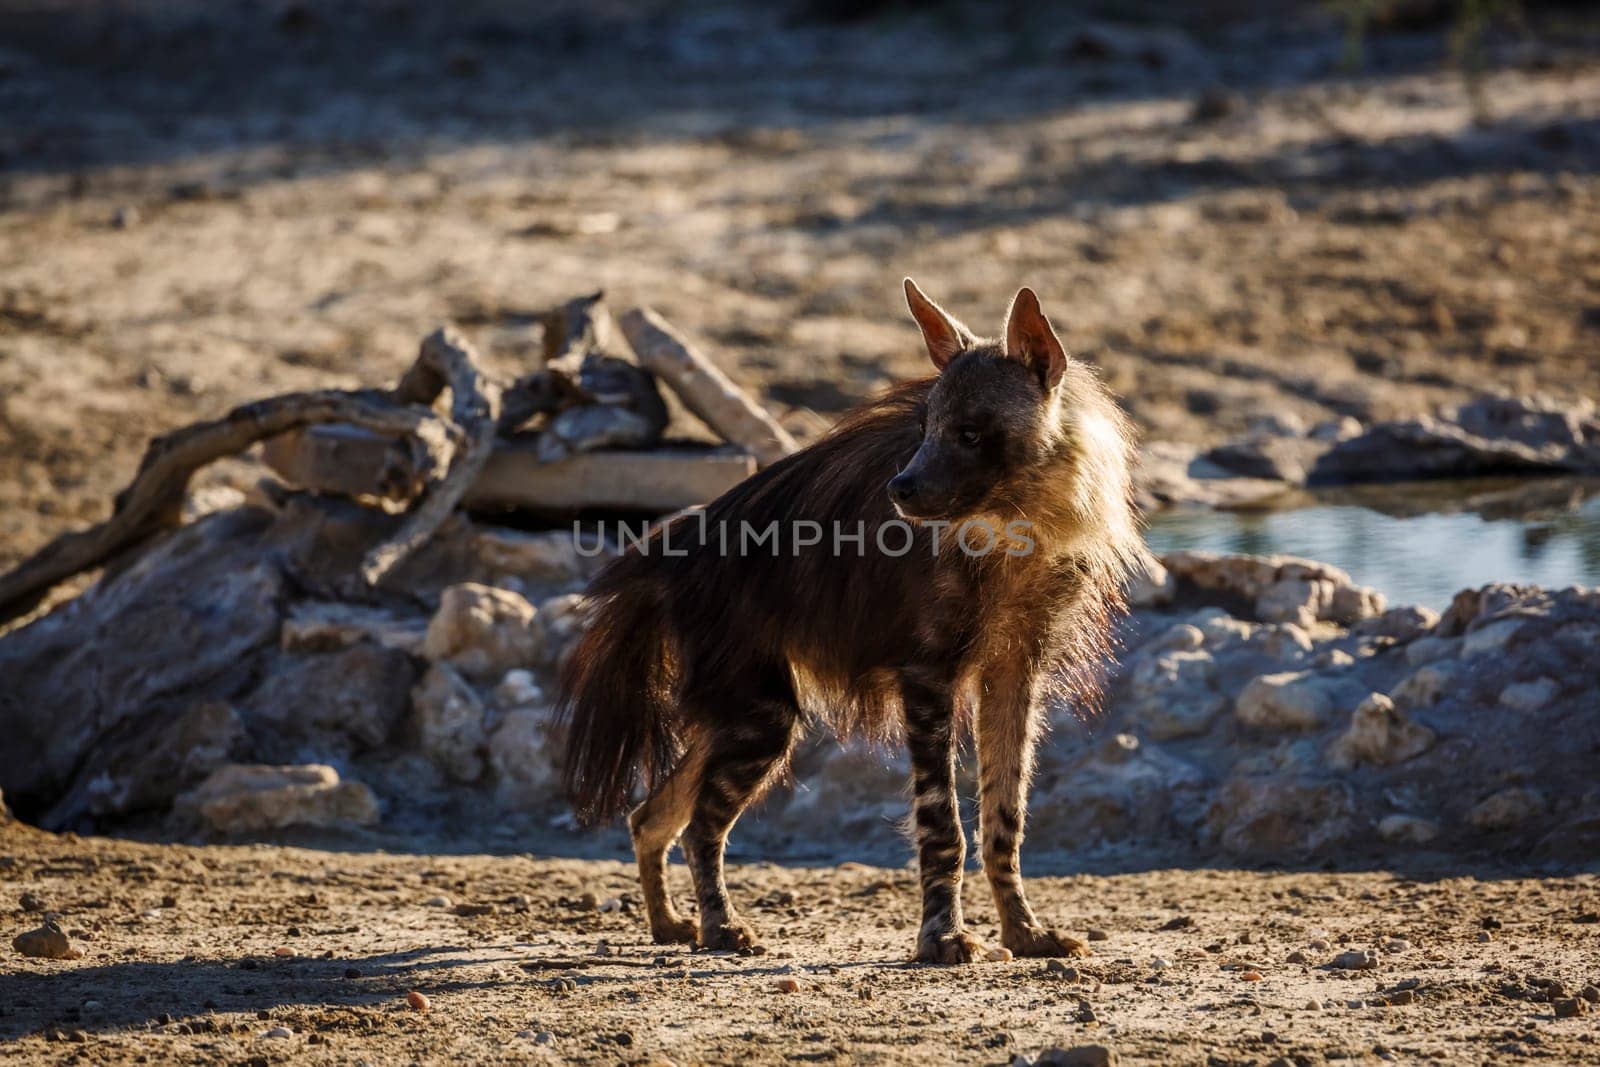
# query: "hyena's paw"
1038,941
676,932
954,946
728,937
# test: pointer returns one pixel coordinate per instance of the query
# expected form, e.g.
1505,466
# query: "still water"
1417,544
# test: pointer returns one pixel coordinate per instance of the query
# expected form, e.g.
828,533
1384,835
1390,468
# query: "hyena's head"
993,417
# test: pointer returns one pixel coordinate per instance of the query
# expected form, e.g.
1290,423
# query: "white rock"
1424,686
249,798
1379,734
1293,700
1529,696
483,631
1407,830
1153,587
1428,649
1404,624
1505,810
1492,638
522,756
517,688
449,720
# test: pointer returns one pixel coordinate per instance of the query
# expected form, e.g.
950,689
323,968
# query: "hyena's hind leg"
656,825
1007,729
746,746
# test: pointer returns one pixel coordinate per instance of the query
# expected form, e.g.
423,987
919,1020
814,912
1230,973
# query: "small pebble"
278,1032
1250,976
418,1001
609,905
1320,944
1297,957
283,952
786,985
1396,944
474,909
589,902
997,954
1401,997
440,901
1098,935
46,943
1355,960
1571,1008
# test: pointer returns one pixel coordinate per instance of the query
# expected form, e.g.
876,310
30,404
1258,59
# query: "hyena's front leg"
1007,729
941,848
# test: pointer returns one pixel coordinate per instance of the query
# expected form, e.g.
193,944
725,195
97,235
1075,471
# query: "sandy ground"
192,955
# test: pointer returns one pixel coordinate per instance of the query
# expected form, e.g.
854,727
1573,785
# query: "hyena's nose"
902,487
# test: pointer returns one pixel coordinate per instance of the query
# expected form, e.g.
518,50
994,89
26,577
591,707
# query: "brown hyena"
944,559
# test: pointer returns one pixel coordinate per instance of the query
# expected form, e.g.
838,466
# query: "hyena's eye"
969,436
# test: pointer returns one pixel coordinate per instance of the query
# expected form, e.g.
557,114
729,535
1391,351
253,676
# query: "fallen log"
350,461
446,361
704,388
153,501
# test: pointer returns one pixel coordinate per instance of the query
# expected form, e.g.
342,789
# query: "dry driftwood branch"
446,361
153,501
347,461
705,390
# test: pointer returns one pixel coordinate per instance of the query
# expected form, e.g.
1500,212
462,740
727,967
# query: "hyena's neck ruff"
694,671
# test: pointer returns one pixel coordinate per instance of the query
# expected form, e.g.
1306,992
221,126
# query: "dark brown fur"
698,668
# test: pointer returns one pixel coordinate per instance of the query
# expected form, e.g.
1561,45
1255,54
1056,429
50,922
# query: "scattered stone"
1492,638
473,910
418,1002
1297,956
439,901
250,799
1571,1008
1399,998
1249,976
1379,734
48,942
786,985
1407,830
1505,810
449,720
1396,945
1096,934
1425,686
483,631
1181,922
1426,650
31,901
1354,960
1529,696
278,1033
1289,701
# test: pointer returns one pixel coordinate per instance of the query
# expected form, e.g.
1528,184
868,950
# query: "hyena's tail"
616,695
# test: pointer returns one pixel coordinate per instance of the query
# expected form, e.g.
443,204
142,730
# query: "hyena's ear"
1030,339
944,335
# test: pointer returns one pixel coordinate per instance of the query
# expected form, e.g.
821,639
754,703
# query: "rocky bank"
228,682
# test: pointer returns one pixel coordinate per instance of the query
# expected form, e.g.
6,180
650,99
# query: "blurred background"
1238,210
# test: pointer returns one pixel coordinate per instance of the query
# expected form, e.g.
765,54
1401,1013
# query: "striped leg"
656,824
941,848
1007,730
742,759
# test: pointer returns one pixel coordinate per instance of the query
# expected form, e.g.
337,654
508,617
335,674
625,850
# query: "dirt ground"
199,955
204,203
